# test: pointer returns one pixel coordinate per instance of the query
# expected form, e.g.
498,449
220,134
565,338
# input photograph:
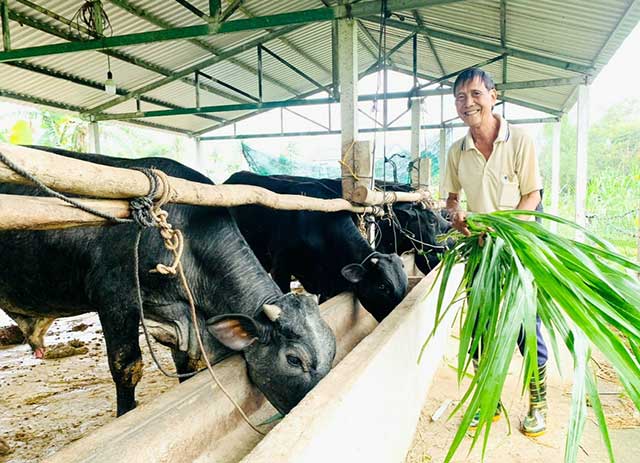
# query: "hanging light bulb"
109,84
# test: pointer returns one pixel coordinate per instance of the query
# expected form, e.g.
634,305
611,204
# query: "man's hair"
471,74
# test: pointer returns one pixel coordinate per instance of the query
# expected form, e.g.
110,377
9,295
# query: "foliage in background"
397,168
613,188
582,293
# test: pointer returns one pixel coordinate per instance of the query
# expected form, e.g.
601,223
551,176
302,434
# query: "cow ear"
353,273
236,331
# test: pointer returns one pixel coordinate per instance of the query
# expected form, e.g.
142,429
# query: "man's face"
474,102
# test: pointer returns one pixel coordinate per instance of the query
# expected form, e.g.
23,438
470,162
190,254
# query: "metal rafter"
535,120
157,21
231,8
297,71
290,44
488,46
197,67
420,22
261,105
127,58
77,109
555,112
199,13
260,111
189,32
50,72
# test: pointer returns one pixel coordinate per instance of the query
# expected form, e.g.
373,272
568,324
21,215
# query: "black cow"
57,273
415,227
325,251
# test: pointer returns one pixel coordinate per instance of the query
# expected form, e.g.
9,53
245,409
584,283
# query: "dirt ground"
49,403
432,439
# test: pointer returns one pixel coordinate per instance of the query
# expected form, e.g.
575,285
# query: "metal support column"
260,72
582,157
94,143
555,174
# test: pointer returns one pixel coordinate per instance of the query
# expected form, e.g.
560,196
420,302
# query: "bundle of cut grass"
585,294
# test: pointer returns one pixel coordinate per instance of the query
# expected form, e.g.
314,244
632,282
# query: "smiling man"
496,166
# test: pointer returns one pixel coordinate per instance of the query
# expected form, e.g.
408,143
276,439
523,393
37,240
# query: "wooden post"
555,174
582,158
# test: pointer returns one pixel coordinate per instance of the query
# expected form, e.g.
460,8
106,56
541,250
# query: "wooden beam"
68,175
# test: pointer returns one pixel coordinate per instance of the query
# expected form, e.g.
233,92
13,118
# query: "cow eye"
294,361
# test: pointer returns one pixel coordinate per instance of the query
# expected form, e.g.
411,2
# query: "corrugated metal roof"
461,34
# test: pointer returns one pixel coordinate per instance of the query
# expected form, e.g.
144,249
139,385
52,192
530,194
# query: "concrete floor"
432,439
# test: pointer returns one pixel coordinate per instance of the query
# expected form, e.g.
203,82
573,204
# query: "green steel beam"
67,35
420,22
297,71
192,8
290,44
489,46
540,120
233,121
231,8
536,107
258,105
559,82
437,80
214,8
50,72
77,109
367,46
248,45
391,51
283,19
157,21
6,28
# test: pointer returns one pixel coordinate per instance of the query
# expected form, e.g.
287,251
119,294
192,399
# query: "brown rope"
174,242
341,161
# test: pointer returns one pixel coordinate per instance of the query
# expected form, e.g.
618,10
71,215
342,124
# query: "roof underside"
526,41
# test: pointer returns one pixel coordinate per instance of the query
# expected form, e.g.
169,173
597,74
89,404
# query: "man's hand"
458,217
459,222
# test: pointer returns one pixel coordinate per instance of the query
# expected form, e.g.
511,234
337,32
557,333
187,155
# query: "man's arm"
458,216
528,202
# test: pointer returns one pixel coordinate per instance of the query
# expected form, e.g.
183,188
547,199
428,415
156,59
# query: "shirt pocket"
509,194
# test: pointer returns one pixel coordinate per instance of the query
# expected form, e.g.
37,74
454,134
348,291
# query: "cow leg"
34,329
123,350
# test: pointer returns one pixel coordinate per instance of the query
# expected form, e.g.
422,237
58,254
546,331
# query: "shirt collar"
503,134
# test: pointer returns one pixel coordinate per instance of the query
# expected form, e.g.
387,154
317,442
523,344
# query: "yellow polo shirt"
499,183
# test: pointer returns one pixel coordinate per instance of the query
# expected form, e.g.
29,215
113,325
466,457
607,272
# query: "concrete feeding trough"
366,408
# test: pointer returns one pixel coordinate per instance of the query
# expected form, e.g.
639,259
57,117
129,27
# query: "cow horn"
272,311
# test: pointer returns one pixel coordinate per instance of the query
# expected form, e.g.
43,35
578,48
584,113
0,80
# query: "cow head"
380,282
421,226
288,347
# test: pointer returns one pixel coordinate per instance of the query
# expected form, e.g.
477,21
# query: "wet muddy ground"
46,404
